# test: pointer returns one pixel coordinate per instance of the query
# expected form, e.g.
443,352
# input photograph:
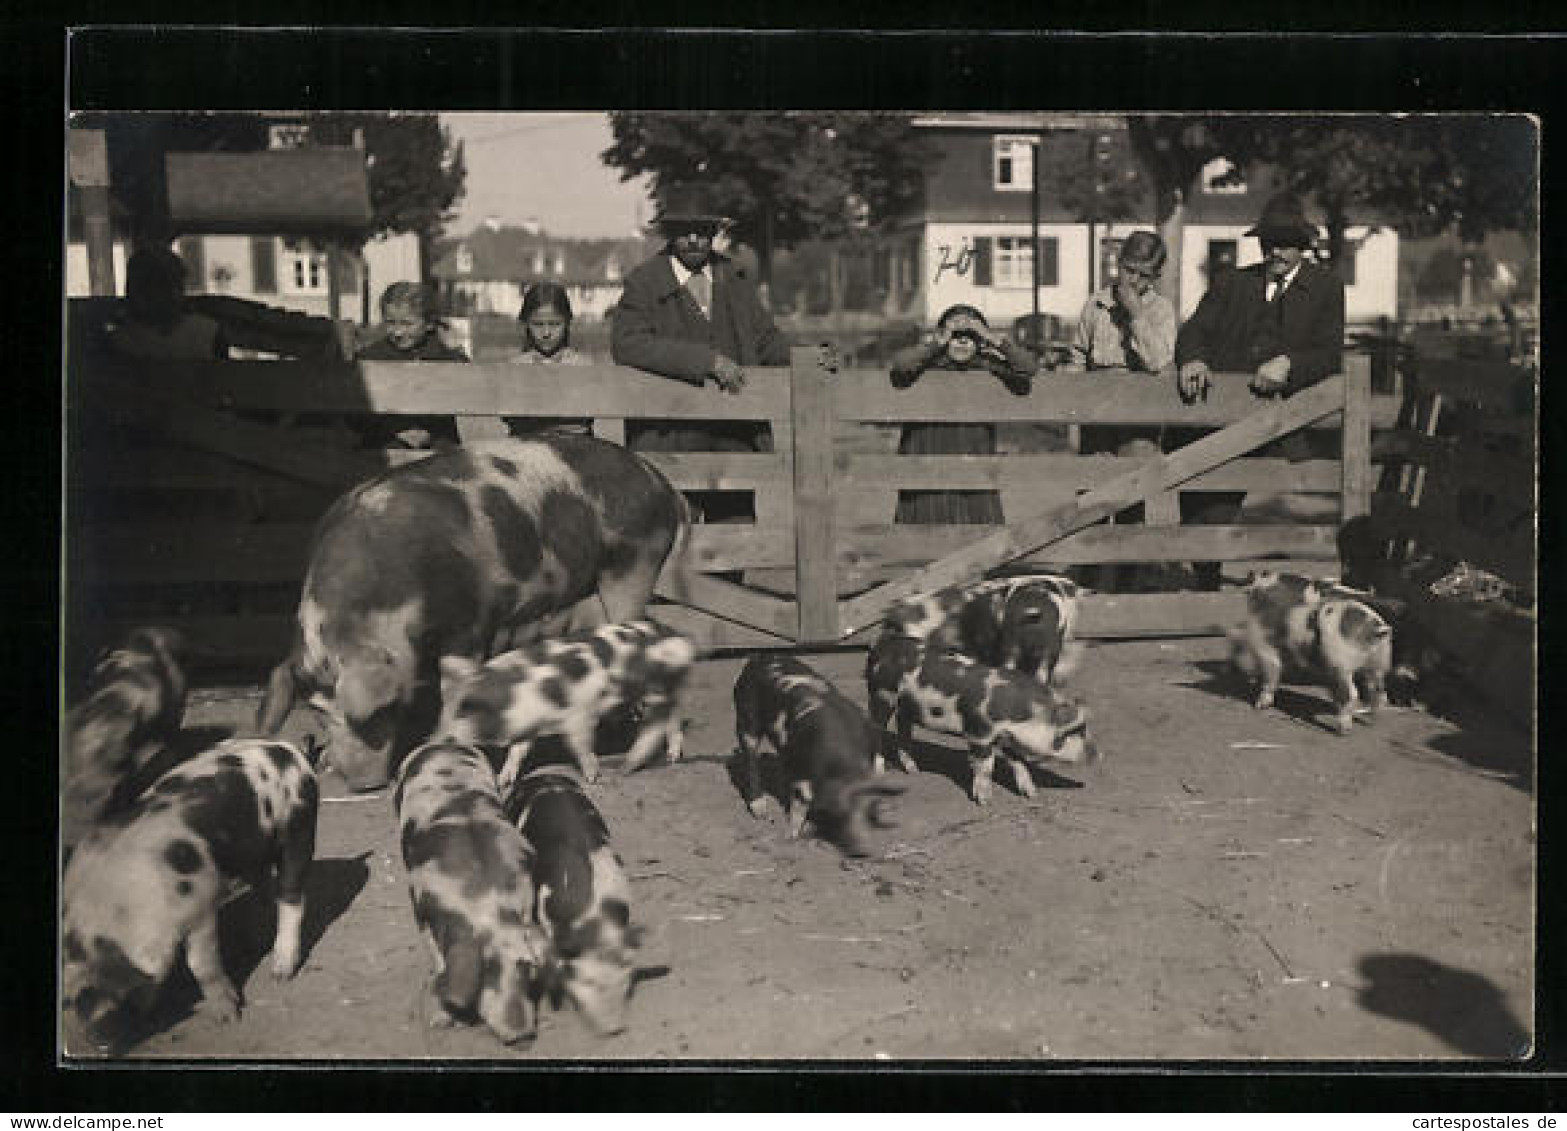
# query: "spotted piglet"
825,745
997,710
583,900
567,687
112,739
1313,630
150,880
469,875
1023,623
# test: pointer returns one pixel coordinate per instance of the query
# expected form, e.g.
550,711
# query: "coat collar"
670,283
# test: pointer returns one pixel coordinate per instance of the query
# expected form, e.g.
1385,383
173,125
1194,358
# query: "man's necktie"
701,288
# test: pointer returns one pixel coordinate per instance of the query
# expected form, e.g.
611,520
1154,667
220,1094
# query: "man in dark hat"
688,313
1281,320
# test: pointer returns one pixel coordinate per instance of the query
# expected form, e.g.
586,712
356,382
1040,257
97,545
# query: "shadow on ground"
1466,1011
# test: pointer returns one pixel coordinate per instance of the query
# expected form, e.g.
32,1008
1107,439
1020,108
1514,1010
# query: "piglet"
148,882
997,710
134,707
583,902
568,687
1313,631
469,876
824,742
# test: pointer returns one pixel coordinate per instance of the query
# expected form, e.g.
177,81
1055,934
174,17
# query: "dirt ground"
1225,884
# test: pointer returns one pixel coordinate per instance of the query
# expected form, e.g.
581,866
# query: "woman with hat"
1129,324
1281,320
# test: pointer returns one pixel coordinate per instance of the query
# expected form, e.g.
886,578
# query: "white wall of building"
947,260
77,280
1373,294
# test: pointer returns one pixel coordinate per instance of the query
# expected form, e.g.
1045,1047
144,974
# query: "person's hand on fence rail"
1271,377
728,374
1193,381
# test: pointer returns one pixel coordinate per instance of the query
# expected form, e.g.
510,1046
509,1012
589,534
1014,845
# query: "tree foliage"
417,173
782,177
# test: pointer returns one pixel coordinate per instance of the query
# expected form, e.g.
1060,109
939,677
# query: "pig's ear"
456,670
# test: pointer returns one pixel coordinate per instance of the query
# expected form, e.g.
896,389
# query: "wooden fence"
1460,486
193,487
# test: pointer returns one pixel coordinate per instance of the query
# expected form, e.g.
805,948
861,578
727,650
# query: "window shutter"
1049,261
191,250
982,246
263,265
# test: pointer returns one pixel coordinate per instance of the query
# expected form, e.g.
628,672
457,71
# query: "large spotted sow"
469,877
1023,623
463,554
149,881
134,708
1313,630
997,710
569,687
583,899
825,746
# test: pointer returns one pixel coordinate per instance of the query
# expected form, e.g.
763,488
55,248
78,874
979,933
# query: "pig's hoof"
1344,724
1263,701
910,766
878,765
761,807
981,793
1025,784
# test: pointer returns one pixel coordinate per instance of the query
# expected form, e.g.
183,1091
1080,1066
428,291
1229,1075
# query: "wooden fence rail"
211,474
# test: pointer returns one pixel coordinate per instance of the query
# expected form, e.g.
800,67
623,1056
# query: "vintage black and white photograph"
759,585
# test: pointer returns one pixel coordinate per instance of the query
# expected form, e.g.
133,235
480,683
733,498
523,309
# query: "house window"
1012,262
612,270
1014,164
303,269
1220,178
263,265
538,262
464,260
1221,257
560,263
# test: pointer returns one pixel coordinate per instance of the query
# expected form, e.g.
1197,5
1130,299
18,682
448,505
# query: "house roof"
284,191
508,255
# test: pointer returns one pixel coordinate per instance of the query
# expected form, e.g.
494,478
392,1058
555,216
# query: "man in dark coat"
1282,321
688,313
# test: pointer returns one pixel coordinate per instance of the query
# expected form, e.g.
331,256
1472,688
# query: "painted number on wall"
959,262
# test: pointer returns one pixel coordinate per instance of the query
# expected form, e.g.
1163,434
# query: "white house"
971,241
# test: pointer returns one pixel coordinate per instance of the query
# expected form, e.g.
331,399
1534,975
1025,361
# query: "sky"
544,167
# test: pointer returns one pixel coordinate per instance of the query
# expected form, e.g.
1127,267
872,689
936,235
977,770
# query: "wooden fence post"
1356,453
815,549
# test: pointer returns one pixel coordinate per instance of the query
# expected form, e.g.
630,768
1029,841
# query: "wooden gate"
208,477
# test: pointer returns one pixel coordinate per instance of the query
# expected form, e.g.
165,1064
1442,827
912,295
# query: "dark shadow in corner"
1464,1010
1489,746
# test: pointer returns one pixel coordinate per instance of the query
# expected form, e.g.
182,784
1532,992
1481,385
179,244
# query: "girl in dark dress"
962,340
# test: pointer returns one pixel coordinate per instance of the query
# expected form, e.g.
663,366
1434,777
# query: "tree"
782,177
417,173
1420,175
1172,150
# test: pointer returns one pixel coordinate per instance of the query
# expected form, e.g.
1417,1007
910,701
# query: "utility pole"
1034,151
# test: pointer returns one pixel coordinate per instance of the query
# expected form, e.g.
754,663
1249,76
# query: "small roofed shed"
320,192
